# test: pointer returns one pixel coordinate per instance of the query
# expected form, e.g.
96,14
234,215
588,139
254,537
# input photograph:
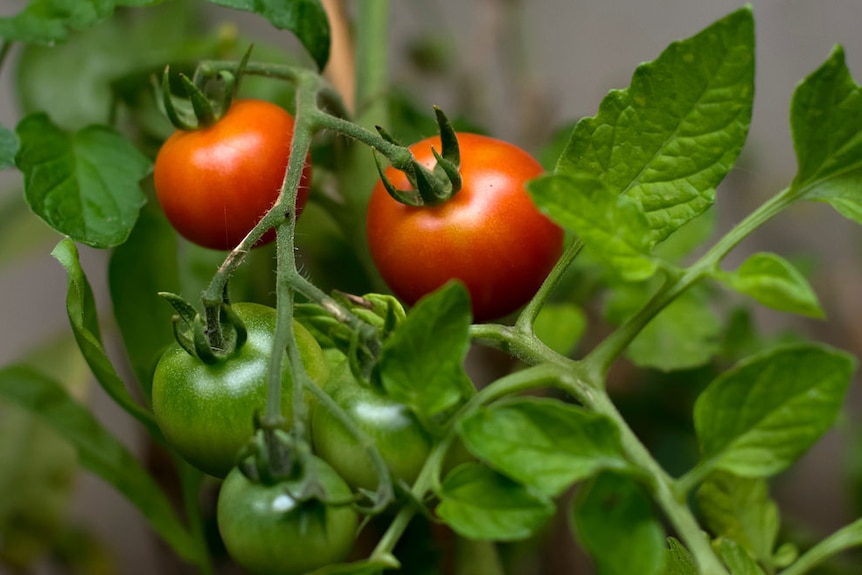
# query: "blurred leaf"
21,233
543,443
774,282
422,363
736,558
560,326
47,21
8,148
85,185
614,522
305,18
140,268
81,309
481,504
758,418
678,561
826,120
740,509
37,465
98,450
669,139
612,226
688,238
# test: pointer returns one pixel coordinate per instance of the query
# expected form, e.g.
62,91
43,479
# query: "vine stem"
528,315
845,538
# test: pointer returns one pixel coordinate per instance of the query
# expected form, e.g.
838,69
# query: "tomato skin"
214,184
206,411
489,235
398,435
266,532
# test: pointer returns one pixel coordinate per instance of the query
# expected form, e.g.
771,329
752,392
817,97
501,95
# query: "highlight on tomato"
489,234
215,183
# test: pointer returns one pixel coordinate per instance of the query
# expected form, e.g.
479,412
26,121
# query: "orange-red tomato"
489,235
214,184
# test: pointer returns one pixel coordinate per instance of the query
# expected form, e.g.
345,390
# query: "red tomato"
489,235
214,184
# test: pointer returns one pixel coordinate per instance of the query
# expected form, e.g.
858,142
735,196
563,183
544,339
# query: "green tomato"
206,411
402,441
267,531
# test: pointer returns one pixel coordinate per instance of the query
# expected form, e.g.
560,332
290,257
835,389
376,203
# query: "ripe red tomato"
214,184
489,235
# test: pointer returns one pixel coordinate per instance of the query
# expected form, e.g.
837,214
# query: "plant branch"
845,538
528,315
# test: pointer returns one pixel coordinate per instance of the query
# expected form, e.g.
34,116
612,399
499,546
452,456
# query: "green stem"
528,315
608,350
845,538
372,56
663,488
5,48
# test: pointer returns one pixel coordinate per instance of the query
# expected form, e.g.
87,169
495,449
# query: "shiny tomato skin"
214,184
206,411
489,235
268,532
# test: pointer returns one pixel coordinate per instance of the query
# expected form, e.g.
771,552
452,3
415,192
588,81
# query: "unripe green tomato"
206,411
402,441
267,532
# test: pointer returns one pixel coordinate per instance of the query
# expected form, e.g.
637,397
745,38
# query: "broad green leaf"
774,282
739,508
140,268
758,418
305,18
612,226
481,504
615,524
826,121
684,335
670,138
678,560
47,21
84,185
81,309
422,363
8,148
543,443
98,450
737,559
560,326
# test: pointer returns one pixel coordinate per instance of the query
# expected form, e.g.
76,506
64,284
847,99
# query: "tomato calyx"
209,344
429,187
207,106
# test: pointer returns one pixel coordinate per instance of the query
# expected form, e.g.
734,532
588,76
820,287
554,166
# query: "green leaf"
8,148
670,138
758,418
81,308
826,121
422,363
739,508
774,282
305,18
480,504
684,335
736,558
543,443
615,524
98,450
374,566
140,268
612,226
47,21
84,185
678,560
560,326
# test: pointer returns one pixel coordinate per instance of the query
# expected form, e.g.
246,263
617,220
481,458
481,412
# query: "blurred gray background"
576,50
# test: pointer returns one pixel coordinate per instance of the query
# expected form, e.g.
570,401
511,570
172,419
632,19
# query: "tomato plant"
215,183
206,410
267,529
398,435
489,234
